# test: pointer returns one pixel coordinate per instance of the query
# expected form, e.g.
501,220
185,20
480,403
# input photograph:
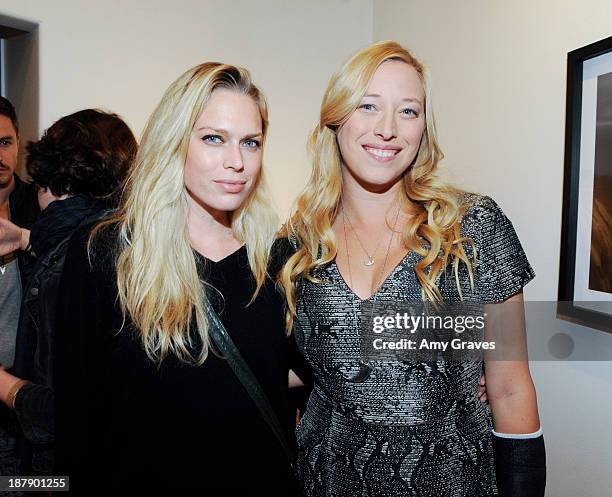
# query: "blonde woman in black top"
143,403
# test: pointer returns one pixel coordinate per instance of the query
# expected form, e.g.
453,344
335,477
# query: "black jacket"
24,210
34,404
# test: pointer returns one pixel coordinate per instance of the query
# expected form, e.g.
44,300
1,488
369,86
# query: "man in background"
18,203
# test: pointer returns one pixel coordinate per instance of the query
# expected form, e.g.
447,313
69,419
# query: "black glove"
520,464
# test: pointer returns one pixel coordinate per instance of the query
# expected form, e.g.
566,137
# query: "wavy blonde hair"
157,278
434,229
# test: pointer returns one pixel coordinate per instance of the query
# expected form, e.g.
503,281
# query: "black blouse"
125,423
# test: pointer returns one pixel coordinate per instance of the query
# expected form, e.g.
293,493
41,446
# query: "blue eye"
250,143
367,107
214,139
410,112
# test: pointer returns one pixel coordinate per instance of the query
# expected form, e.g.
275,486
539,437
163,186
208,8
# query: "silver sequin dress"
406,429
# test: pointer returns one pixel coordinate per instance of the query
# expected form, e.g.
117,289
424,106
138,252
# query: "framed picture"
585,273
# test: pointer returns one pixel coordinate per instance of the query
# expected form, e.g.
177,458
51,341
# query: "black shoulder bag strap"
226,346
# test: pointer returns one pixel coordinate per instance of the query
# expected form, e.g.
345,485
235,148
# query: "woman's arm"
510,389
518,444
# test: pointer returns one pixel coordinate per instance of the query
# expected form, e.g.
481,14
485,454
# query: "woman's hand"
482,389
12,237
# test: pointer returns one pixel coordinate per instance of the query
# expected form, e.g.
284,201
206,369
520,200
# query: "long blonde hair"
435,226
157,278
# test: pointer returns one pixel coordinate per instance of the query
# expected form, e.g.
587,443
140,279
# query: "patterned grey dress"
405,429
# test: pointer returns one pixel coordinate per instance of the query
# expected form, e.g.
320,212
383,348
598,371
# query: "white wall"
499,87
499,75
121,55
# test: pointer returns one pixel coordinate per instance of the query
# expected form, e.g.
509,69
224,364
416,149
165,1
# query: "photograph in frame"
585,273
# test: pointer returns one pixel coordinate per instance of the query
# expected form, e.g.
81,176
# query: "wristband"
12,394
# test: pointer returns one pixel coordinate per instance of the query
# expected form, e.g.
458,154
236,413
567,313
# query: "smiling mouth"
381,154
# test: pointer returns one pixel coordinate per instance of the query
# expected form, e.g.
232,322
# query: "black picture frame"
566,307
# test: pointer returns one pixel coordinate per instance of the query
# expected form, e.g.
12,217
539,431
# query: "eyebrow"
406,99
7,137
222,131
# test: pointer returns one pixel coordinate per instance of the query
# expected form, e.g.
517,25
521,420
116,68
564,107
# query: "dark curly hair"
86,153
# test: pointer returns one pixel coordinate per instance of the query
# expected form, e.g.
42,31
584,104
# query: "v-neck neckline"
382,283
225,258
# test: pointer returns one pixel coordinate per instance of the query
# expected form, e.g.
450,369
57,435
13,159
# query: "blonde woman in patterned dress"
376,225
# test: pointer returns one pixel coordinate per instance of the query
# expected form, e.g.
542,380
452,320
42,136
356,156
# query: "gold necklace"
369,258
364,368
348,259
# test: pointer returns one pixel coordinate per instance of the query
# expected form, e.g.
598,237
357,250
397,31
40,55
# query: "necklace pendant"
370,261
2,269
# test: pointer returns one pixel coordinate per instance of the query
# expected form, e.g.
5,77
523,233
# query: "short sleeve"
501,268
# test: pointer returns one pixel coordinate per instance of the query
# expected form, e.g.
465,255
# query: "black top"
122,422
